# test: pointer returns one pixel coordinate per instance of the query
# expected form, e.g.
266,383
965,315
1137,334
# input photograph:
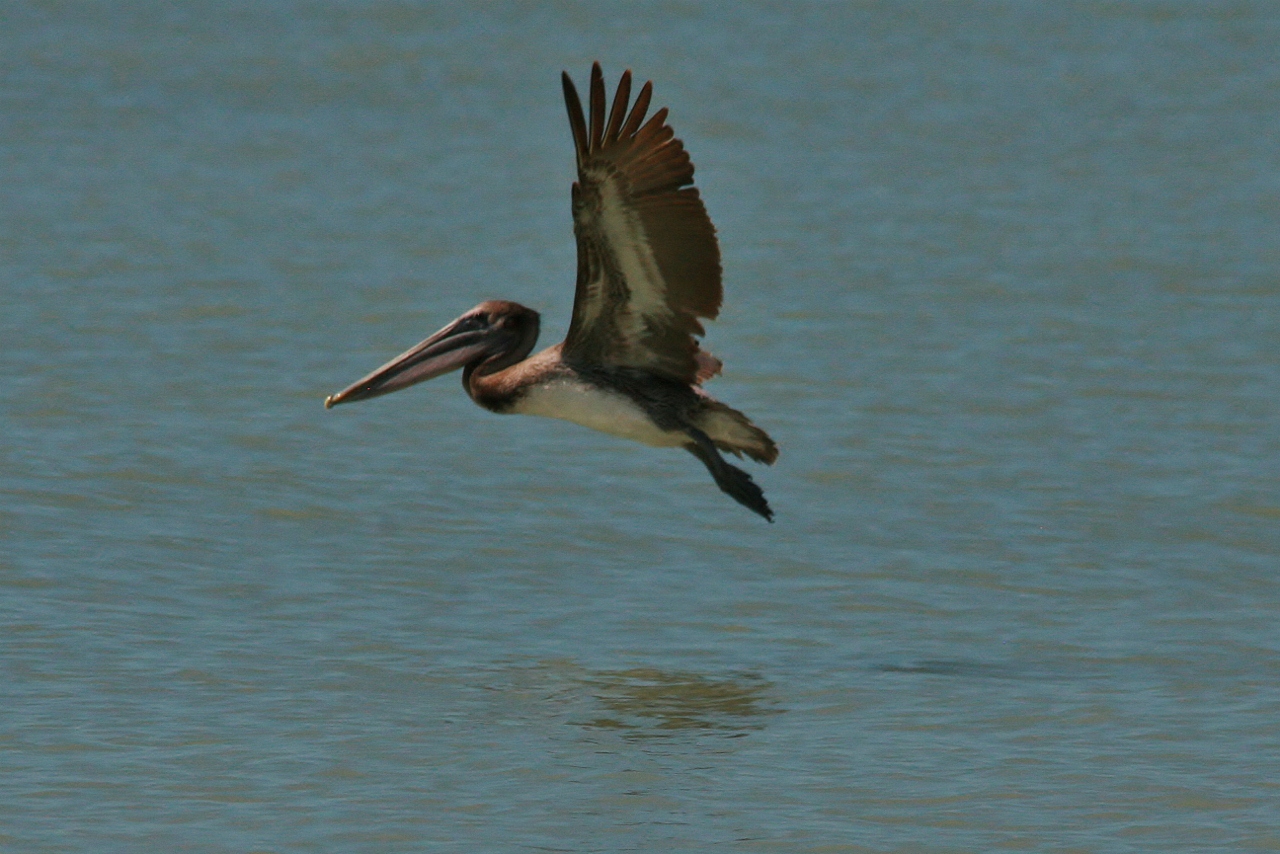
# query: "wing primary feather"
653,128
618,112
638,110
597,107
576,121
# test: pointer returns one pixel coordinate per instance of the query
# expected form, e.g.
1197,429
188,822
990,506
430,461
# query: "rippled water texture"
1001,279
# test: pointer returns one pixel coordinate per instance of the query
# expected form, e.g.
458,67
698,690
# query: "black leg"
733,481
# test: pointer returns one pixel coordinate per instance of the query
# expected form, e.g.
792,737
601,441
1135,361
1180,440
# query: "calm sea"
1003,280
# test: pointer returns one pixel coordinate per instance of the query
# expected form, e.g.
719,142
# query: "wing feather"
638,110
648,260
576,122
597,106
619,111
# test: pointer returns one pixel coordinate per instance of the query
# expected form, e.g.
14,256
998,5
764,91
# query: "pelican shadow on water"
648,269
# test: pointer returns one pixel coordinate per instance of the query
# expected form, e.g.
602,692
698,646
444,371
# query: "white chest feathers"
597,408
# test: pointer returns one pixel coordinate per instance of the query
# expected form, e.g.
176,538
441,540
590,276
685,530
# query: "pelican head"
492,336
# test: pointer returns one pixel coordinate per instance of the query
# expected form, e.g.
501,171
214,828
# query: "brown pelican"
648,268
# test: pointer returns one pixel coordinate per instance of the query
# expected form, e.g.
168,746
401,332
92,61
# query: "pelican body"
648,269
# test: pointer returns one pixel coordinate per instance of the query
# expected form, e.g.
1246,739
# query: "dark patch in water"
948,667
659,702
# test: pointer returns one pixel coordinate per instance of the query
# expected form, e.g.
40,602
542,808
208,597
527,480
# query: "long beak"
449,349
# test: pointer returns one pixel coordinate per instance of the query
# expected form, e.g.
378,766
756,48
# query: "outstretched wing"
648,262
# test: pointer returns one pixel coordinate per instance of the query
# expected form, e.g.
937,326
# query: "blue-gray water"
1001,278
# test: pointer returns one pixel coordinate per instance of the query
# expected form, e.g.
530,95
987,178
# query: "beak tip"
330,401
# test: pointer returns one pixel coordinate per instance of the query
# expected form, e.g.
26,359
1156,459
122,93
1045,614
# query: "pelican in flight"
648,269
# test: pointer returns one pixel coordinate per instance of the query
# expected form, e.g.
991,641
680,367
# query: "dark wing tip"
577,122
618,112
592,128
597,107
638,110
